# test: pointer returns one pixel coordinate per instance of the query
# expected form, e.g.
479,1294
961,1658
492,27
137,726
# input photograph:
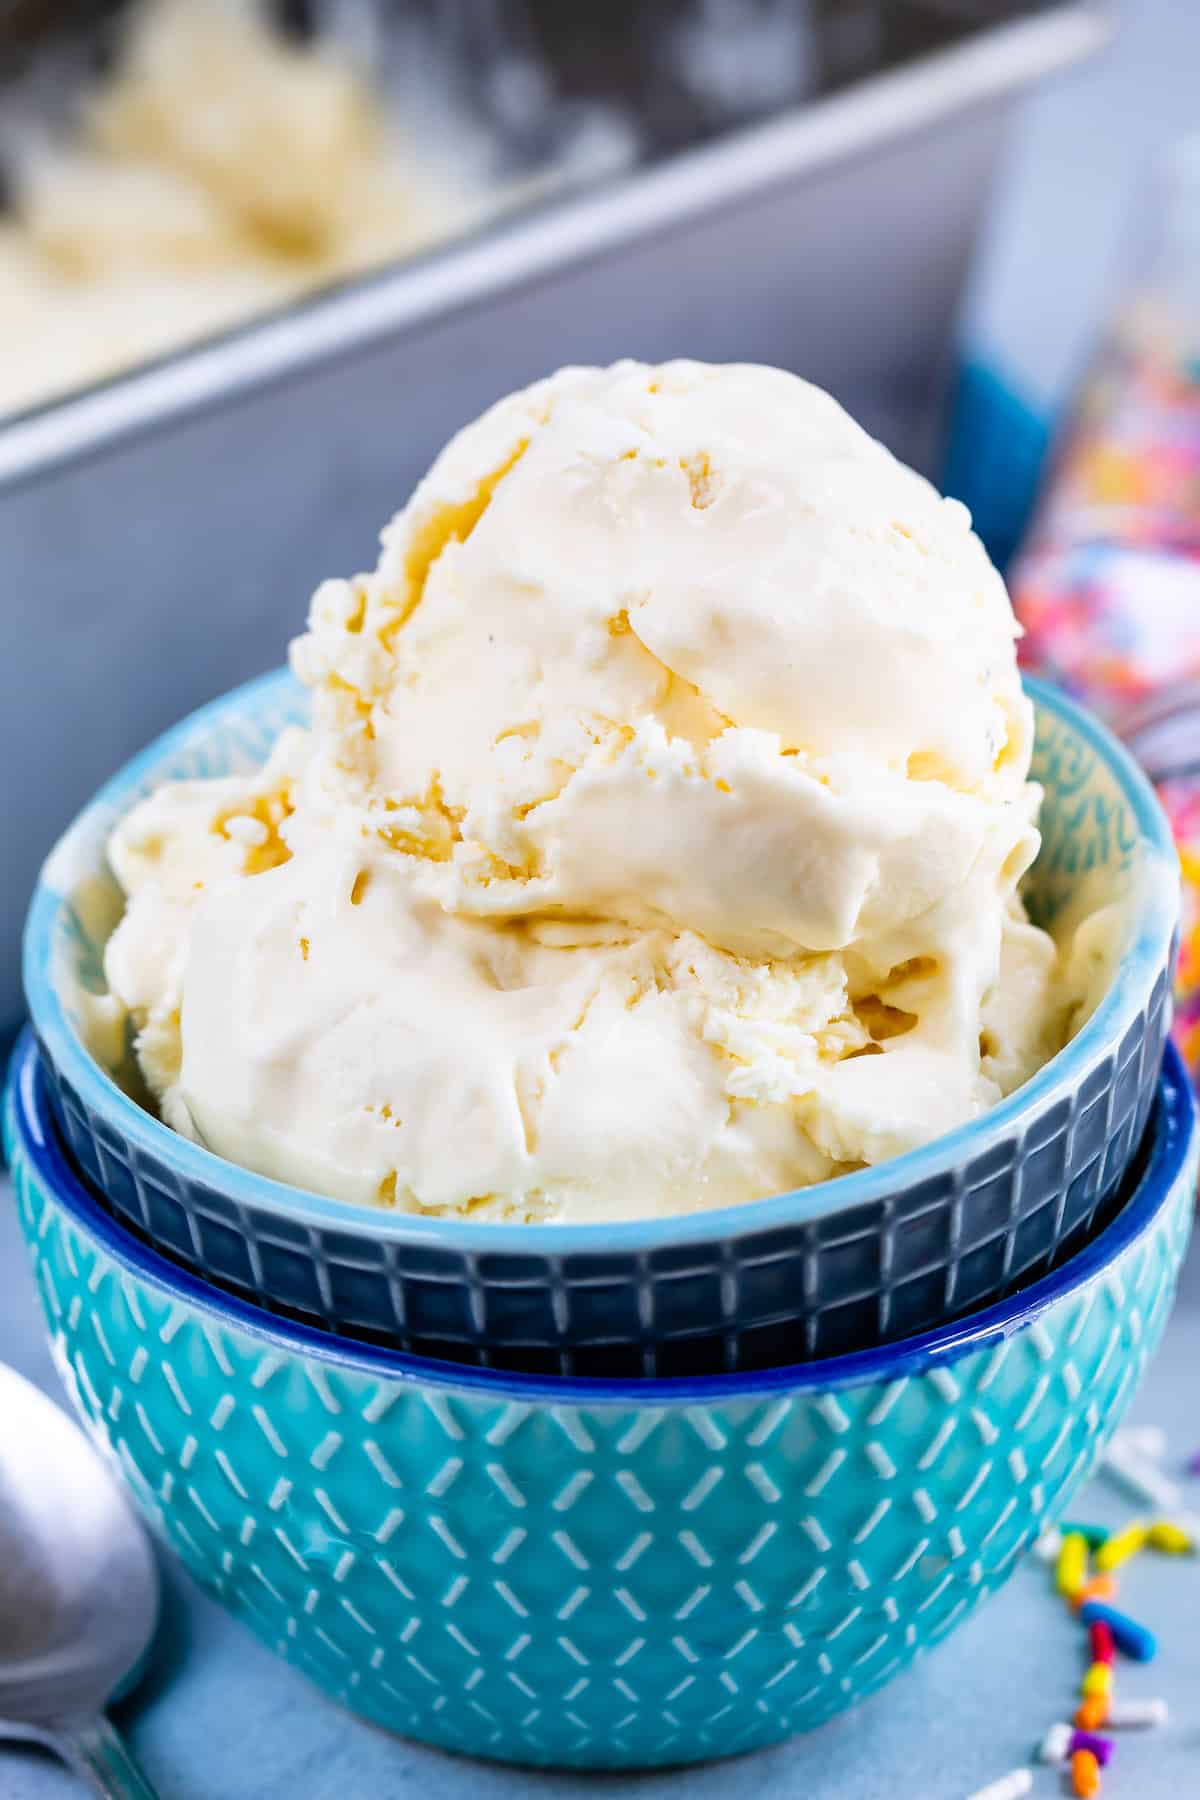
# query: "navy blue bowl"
859,1261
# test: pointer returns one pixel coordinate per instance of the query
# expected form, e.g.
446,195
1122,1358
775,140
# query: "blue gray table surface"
220,1718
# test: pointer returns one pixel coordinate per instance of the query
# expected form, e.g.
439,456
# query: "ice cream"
220,170
655,844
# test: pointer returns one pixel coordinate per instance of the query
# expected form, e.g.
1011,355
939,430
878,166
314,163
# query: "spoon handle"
93,1749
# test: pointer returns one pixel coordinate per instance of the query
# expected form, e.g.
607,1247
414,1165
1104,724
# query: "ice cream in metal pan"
217,172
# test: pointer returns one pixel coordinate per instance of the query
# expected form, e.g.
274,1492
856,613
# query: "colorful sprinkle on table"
1096,1587
1131,1639
1099,1747
1165,1535
1135,1458
1135,1715
1119,1548
1142,1477
1085,1773
1093,1535
1071,1571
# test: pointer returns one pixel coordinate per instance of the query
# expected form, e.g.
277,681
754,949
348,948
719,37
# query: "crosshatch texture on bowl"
596,1574
865,1259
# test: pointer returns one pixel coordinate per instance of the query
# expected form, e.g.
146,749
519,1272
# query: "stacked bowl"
625,1494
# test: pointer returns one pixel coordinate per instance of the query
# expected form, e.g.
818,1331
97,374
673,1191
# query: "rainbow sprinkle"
1108,587
1085,1559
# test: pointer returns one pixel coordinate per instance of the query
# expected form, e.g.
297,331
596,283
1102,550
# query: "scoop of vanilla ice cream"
686,647
657,838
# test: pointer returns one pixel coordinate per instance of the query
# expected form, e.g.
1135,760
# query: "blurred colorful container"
1108,585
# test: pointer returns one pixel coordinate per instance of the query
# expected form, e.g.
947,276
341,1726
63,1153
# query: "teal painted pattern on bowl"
870,1258
596,1574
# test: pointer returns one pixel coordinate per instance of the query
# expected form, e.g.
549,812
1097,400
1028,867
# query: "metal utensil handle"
93,1749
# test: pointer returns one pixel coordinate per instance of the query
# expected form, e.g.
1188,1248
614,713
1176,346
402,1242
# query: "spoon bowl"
78,1590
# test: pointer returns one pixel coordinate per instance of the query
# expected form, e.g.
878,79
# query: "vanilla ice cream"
655,844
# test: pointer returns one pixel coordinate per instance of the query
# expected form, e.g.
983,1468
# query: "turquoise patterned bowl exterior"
596,1574
872,1257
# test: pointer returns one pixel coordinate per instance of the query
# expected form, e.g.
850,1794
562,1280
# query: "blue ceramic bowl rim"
1145,958
1174,1125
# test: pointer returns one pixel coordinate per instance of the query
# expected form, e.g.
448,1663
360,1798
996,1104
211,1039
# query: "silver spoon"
78,1592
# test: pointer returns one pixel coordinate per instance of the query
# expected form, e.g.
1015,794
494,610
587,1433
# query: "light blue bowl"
596,1573
869,1258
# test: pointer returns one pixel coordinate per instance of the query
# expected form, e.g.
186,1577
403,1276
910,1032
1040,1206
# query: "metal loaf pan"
161,533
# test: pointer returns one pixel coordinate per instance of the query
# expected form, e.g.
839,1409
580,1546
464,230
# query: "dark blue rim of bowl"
1145,959
1173,1130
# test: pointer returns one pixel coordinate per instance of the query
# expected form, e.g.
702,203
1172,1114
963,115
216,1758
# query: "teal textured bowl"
596,1574
872,1257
